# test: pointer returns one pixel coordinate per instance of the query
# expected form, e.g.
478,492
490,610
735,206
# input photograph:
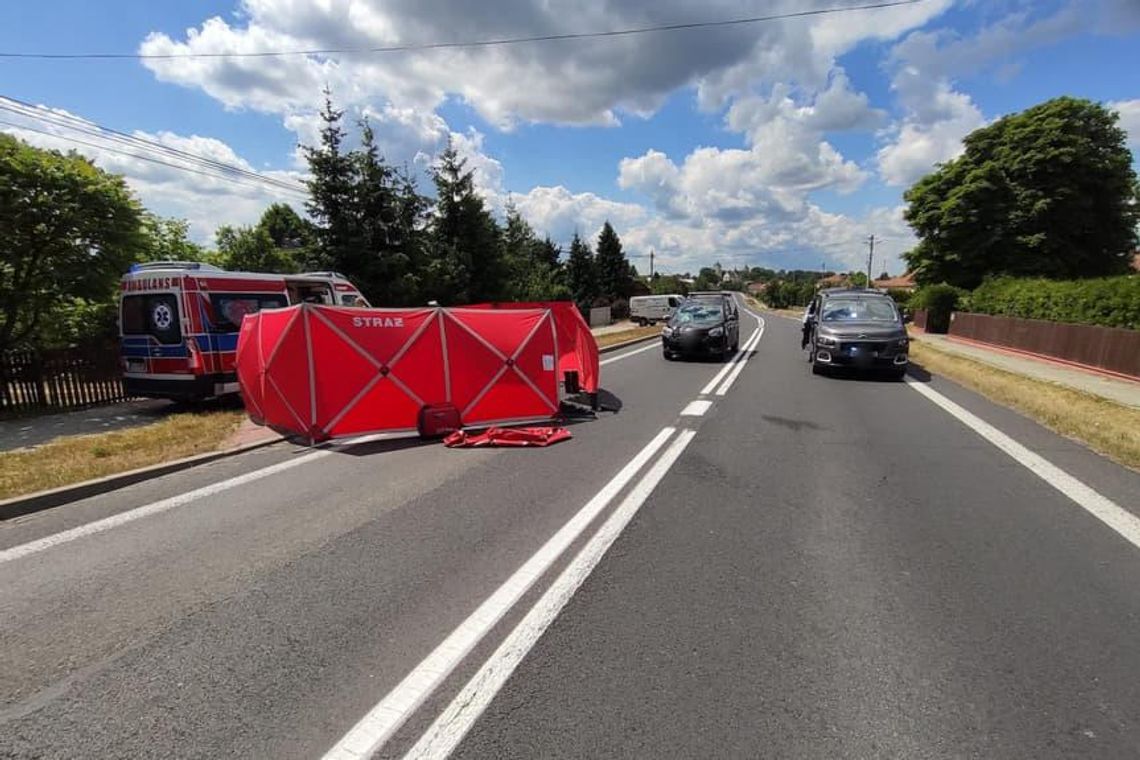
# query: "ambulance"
179,322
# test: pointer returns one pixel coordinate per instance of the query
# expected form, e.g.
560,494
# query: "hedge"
939,301
1107,301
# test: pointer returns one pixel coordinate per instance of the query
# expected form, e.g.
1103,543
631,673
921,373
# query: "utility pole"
870,258
651,254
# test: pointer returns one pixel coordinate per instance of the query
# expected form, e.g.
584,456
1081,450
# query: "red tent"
326,372
577,348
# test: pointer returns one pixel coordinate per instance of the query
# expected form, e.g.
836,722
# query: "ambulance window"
353,299
133,315
229,308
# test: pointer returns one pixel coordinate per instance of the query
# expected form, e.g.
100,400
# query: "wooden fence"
1109,348
60,379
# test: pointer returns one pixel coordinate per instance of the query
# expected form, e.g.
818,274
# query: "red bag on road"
509,437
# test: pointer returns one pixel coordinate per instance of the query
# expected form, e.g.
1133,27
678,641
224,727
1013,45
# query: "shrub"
939,301
1106,301
619,310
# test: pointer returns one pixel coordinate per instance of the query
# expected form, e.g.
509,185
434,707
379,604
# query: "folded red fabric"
510,437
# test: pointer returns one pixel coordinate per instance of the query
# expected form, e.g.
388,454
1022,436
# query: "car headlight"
826,340
902,343
716,332
667,331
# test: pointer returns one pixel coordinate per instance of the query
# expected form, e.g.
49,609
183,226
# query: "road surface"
743,561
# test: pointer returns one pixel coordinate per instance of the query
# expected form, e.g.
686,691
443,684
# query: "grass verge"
610,339
73,459
1104,426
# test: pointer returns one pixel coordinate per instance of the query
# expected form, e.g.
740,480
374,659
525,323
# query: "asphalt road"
831,567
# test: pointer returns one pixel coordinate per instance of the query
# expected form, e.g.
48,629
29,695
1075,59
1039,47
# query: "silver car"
861,329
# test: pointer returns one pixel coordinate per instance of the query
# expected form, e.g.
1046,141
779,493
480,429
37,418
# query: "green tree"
467,254
581,274
670,284
251,249
69,231
612,267
288,231
1047,192
548,253
331,194
169,240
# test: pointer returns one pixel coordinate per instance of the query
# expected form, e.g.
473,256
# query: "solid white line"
114,521
652,345
453,724
746,354
1104,509
696,408
383,720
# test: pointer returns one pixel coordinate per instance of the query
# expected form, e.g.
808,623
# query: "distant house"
834,281
757,288
905,282
1136,261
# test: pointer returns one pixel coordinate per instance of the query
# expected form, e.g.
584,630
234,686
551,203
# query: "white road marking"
1104,509
652,345
154,508
696,408
453,724
383,720
745,355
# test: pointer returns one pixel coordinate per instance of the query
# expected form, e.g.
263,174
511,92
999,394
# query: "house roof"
757,287
904,281
833,281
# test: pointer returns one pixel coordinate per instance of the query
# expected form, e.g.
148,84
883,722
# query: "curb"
627,344
35,502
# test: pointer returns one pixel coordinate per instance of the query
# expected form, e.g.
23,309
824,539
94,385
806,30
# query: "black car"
701,327
861,329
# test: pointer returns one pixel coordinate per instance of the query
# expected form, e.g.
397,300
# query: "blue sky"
779,144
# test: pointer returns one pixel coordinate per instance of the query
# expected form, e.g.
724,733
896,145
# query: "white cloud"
206,202
1129,111
925,63
583,81
931,133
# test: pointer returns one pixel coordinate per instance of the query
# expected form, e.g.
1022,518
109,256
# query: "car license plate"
136,365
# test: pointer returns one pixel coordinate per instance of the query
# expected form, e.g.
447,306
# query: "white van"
649,310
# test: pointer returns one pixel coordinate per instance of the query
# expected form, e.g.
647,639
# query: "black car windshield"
698,314
859,310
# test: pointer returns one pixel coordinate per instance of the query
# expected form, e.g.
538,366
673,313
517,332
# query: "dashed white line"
453,724
1104,509
383,720
696,408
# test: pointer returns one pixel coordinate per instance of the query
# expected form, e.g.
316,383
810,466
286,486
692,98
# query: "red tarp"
508,437
577,348
326,372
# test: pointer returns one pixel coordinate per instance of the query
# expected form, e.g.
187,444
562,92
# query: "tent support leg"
594,401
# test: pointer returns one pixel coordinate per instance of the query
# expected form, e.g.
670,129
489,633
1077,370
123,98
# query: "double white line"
373,730
736,366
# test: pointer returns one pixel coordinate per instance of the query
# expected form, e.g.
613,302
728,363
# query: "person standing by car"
807,320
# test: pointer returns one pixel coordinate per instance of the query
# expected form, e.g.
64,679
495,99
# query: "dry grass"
74,459
1106,427
610,339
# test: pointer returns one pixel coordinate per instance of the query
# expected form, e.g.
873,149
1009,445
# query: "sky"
782,144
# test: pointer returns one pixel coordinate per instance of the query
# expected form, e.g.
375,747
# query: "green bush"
1107,301
939,301
902,299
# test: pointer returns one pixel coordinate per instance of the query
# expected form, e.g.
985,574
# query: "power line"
470,44
66,121
151,159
